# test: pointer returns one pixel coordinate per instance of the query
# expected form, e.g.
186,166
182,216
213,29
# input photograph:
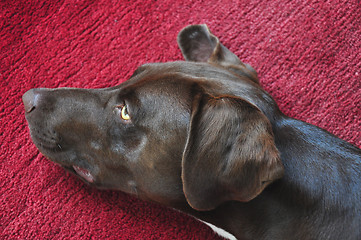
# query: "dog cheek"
160,180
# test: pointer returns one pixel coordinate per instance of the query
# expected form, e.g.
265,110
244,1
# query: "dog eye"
124,113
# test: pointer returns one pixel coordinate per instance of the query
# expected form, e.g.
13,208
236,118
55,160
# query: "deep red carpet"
308,56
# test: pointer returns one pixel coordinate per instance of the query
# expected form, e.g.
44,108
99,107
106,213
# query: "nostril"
29,100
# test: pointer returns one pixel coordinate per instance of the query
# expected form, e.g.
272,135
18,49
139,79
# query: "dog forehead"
155,75
209,76
165,93
181,69
181,80
164,82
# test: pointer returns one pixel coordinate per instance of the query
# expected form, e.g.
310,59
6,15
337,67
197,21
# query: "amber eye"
124,113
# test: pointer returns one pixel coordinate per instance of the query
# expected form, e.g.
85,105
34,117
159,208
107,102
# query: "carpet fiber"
307,53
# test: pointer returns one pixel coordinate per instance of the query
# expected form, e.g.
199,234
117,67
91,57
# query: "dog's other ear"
198,44
230,153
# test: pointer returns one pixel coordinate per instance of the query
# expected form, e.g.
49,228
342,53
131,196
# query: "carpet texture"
307,54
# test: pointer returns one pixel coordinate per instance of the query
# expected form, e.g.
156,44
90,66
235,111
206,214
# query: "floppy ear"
230,153
198,44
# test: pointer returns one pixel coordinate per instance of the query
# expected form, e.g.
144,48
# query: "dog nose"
29,100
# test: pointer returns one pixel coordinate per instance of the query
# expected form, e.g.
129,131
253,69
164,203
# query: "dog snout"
31,99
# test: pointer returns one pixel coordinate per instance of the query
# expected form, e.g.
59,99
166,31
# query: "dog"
202,136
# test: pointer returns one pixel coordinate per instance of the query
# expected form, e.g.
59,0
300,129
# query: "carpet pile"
307,54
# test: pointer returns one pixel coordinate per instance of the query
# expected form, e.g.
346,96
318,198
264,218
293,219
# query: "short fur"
205,138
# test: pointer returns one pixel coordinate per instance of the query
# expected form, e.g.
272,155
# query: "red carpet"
308,56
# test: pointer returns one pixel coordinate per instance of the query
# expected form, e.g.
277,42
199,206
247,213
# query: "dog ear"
198,44
230,153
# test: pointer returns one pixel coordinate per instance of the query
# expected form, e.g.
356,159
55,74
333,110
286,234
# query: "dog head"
197,130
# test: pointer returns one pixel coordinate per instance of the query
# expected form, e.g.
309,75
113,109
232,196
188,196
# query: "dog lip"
84,173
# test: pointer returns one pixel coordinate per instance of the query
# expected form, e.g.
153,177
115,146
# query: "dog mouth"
49,144
84,173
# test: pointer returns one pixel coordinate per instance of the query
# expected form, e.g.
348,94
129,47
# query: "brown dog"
202,136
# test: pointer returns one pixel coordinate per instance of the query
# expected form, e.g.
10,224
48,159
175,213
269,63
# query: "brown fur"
205,138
